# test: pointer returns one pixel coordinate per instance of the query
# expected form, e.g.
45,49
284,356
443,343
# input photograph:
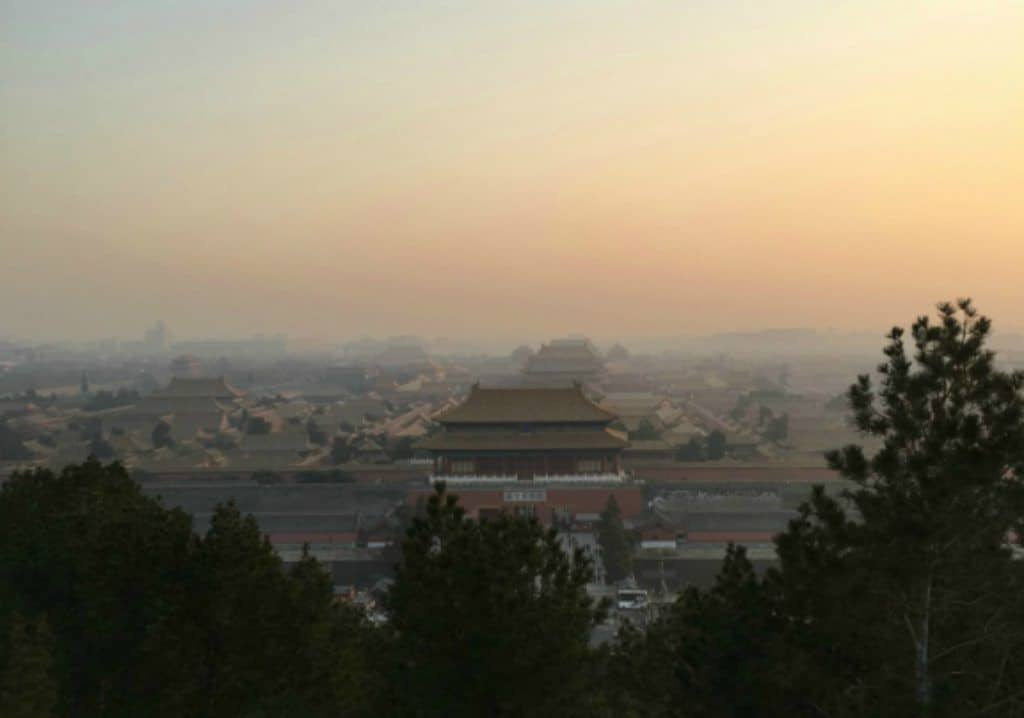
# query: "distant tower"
156,337
84,386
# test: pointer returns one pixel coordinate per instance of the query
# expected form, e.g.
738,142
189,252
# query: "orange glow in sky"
501,169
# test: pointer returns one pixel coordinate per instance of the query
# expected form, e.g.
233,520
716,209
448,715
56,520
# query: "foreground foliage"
898,598
615,543
489,618
149,619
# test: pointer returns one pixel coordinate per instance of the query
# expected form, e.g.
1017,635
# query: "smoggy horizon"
483,170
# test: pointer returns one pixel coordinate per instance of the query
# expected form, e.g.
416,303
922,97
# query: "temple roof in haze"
212,387
565,356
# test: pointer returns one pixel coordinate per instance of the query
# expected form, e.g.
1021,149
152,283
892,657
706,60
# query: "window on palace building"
462,466
526,511
589,466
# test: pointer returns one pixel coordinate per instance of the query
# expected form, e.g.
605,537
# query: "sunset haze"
507,169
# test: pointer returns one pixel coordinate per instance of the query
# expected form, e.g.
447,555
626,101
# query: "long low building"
729,472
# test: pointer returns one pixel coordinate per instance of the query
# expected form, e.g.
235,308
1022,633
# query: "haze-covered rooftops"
526,406
215,387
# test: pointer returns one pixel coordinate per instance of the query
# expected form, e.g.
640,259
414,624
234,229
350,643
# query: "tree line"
901,598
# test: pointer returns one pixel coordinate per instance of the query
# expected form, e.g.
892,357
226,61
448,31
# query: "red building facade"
526,435
547,503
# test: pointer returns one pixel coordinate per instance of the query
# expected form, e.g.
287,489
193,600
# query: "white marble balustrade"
465,479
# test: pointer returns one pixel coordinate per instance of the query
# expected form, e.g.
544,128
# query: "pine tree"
260,640
161,435
150,619
101,561
645,432
711,654
615,542
898,597
903,595
716,445
27,686
489,618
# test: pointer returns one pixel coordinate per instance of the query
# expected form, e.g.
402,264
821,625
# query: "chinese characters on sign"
521,495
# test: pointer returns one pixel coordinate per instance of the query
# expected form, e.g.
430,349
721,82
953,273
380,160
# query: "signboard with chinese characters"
525,495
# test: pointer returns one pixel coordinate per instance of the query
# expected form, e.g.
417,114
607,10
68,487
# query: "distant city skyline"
490,170
779,344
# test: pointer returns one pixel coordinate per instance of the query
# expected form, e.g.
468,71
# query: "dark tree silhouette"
315,434
615,542
481,610
716,445
693,450
161,435
12,447
149,619
27,687
645,432
935,504
900,596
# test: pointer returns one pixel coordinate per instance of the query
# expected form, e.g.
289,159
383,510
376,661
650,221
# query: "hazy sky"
503,168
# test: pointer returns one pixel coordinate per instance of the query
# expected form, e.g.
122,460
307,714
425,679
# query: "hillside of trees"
901,598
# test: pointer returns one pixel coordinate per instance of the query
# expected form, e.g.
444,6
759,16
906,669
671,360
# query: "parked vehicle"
632,599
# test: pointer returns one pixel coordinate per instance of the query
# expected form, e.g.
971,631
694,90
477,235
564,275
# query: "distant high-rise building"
157,337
